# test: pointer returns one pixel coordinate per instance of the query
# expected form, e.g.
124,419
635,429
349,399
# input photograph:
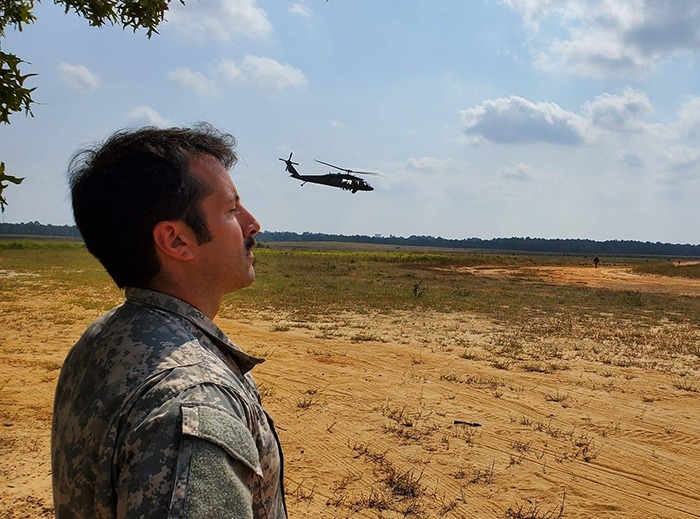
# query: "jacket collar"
171,304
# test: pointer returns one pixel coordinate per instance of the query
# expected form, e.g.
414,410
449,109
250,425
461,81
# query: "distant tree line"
540,245
39,229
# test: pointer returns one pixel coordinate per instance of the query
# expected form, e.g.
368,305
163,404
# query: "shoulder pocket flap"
223,430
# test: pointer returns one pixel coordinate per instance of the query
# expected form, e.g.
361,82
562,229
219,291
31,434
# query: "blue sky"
488,118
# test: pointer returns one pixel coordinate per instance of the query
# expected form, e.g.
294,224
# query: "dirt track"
369,409
610,277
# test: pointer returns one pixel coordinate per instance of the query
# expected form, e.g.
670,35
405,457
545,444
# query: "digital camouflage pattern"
157,415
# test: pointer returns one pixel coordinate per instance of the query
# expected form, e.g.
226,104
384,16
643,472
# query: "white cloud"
689,118
301,10
631,159
615,128
196,81
517,120
264,73
600,38
594,55
435,178
221,19
624,112
78,77
229,70
272,75
520,172
337,124
428,164
682,157
147,116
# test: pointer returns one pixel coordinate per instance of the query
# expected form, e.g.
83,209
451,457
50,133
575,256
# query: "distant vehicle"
345,180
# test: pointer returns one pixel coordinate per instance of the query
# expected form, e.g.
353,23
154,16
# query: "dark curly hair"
121,188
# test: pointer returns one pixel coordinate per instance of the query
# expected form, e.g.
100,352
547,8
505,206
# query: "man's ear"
173,239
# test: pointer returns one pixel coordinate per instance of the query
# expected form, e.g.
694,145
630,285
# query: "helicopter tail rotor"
290,166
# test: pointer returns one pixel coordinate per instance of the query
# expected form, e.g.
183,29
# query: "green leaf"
4,177
15,13
14,97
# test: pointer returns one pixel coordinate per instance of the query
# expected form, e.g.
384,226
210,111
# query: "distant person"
596,261
156,414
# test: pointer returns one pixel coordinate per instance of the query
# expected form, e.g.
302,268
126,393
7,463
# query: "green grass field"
314,282
669,268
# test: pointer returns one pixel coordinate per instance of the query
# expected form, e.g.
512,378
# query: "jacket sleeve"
194,458
217,465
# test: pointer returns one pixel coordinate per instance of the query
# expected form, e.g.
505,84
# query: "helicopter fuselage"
344,181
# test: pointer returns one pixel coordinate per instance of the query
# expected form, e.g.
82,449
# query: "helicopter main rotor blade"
331,165
368,173
349,171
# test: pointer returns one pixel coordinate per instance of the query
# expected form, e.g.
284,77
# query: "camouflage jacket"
157,415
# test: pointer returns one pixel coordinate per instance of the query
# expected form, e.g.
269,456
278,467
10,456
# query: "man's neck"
203,301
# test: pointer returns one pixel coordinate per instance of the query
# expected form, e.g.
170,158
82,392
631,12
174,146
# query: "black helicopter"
346,180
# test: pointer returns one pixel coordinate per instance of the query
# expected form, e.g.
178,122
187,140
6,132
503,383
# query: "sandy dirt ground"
611,277
423,415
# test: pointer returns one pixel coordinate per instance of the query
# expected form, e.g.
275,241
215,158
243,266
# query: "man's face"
226,262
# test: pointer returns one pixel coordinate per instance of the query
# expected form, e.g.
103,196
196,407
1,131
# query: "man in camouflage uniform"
156,413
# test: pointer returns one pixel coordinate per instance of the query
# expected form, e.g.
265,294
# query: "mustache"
250,243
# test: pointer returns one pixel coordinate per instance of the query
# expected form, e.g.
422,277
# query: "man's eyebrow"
234,198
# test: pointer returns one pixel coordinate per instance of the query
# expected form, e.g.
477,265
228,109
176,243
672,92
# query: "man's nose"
255,227
251,224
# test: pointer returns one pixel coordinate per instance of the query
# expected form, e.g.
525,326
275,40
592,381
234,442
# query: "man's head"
122,188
